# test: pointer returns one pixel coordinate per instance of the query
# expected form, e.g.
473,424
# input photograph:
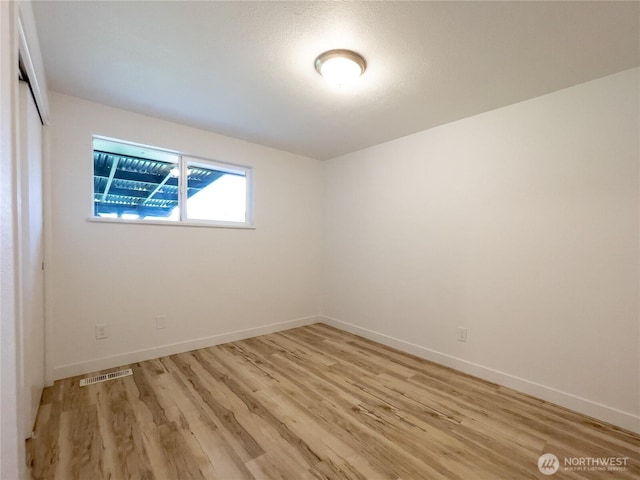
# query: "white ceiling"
245,69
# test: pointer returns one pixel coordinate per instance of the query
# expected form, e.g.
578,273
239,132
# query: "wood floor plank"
311,403
301,421
125,428
46,443
87,447
226,419
168,443
180,402
256,408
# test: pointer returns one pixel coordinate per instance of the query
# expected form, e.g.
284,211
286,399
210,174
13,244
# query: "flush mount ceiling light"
340,67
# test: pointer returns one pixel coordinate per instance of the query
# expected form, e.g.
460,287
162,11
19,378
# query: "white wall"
520,224
210,282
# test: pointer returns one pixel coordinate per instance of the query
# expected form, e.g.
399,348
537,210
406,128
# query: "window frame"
183,160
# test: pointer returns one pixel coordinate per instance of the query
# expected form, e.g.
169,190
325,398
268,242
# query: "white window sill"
188,223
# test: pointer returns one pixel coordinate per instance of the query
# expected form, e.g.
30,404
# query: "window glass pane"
134,182
216,193
137,182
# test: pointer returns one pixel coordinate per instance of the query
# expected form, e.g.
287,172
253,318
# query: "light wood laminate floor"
309,403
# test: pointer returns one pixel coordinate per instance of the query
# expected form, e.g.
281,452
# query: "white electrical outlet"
462,334
101,331
161,322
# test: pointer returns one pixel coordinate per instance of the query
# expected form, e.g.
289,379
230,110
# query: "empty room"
319,240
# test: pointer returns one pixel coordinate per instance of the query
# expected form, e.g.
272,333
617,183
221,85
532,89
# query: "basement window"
136,183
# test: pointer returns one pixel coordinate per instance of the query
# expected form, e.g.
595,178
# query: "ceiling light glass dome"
340,67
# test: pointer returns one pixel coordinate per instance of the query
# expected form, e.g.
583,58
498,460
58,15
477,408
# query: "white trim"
21,214
71,370
47,232
183,189
216,165
29,48
172,223
250,196
596,410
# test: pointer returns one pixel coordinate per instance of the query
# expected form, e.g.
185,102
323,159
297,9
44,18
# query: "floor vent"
105,376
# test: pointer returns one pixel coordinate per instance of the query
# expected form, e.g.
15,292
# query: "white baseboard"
596,410
71,370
